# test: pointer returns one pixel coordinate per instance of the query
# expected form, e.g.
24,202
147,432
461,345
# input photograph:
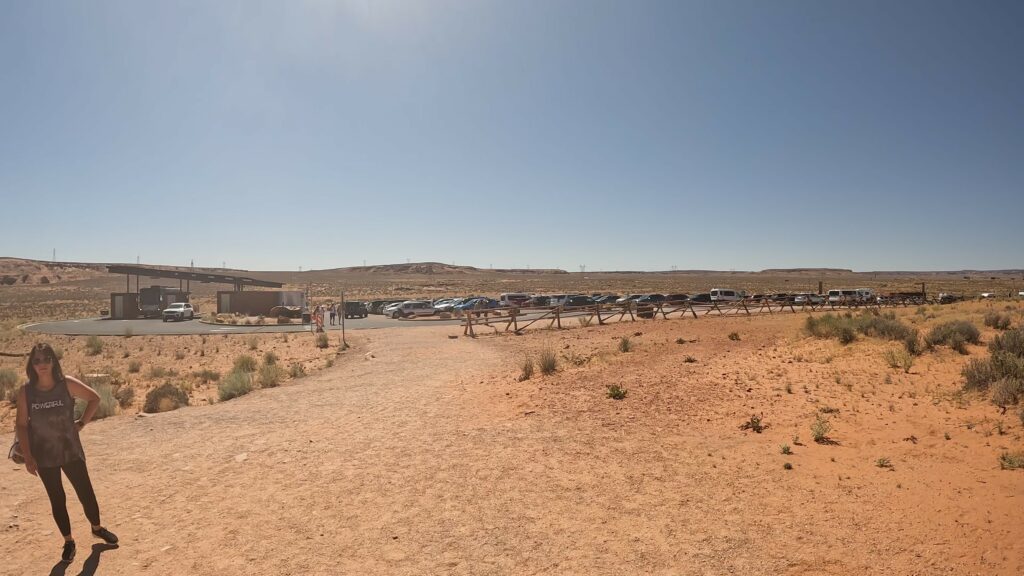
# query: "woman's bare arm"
78,389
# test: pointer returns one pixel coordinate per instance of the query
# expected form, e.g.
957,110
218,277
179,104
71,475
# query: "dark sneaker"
68,555
105,535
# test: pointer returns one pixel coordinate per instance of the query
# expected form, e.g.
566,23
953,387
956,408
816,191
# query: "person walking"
49,437
334,311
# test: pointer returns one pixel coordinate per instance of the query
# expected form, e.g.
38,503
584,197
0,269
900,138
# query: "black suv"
355,310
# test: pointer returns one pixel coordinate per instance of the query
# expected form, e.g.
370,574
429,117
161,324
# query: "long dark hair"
43,349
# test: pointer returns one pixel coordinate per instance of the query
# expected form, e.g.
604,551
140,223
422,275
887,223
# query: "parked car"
355,309
676,298
578,300
651,299
178,311
629,298
850,295
480,303
808,298
540,301
607,299
411,308
701,298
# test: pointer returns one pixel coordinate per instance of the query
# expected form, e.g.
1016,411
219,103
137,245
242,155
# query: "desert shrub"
108,402
616,392
125,395
585,320
296,370
787,466
270,375
8,384
236,383
953,334
244,363
978,374
93,346
689,360
179,354
1007,391
322,341
252,342
1011,342
680,340
526,370
755,423
270,358
164,398
1008,461
134,366
1006,365
883,463
625,345
206,375
884,326
846,327
912,343
157,372
998,321
548,362
899,358
785,449
820,429
734,336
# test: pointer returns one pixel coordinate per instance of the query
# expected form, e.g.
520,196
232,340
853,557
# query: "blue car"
478,304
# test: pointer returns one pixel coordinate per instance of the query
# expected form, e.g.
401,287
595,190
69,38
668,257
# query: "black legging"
78,474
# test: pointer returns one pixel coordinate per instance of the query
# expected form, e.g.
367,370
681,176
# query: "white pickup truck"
179,311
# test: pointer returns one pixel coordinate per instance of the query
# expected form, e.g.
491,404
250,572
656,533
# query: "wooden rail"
512,319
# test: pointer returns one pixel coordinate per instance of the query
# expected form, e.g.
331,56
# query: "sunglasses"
39,360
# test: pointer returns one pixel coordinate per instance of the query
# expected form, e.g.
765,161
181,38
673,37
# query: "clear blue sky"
548,133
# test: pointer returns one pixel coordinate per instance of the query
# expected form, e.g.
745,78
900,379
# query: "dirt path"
418,454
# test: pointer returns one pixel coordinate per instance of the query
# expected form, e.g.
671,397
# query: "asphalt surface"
157,327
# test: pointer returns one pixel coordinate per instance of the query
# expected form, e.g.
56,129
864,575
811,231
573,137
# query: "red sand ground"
421,454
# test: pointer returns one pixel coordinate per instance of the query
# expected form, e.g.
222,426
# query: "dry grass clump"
1005,364
296,370
1007,392
1008,461
954,334
134,366
820,429
165,398
109,403
899,358
244,363
270,358
93,346
526,370
997,320
236,383
870,323
270,375
206,375
322,341
8,384
625,345
548,362
125,396
616,392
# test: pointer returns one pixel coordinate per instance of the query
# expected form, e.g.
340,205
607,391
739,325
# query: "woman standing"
48,434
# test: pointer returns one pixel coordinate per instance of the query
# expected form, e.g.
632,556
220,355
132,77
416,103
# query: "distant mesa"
806,270
432,268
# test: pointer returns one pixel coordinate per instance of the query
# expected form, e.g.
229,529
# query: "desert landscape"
828,443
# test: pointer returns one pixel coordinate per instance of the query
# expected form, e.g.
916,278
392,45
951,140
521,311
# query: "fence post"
558,316
597,310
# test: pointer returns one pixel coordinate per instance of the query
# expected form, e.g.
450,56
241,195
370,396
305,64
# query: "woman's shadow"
90,565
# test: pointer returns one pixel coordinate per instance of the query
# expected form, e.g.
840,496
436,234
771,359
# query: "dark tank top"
51,426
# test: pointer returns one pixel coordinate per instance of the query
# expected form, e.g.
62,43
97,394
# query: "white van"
727,295
848,295
514,299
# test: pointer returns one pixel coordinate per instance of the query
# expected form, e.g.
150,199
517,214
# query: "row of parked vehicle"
413,308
